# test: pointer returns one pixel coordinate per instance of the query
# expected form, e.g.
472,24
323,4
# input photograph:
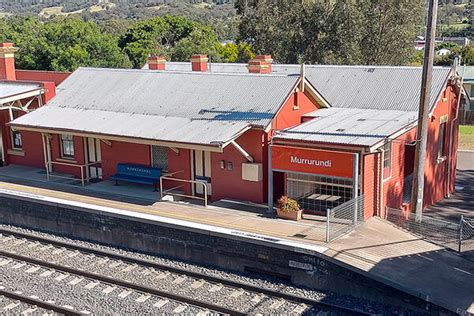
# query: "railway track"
19,303
187,282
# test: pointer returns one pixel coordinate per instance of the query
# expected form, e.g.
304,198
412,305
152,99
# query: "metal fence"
344,218
455,235
466,234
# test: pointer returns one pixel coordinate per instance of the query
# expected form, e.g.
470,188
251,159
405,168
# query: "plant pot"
294,216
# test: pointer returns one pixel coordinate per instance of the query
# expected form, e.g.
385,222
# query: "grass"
466,137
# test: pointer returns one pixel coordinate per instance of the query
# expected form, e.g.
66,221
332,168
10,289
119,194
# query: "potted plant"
288,209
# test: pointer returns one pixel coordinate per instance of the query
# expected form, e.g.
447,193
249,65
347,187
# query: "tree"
342,32
175,37
61,44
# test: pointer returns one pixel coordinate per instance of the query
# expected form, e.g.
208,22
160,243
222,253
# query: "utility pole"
422,130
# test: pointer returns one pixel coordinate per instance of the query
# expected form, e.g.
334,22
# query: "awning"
151,129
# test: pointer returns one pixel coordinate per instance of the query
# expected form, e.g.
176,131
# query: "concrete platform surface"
376,249
408,263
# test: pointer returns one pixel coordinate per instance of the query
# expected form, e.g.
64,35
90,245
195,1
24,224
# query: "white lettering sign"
311,162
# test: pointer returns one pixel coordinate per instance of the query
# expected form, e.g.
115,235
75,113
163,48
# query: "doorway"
202,171
93,154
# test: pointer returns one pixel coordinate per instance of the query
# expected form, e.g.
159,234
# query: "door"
94,155
202,171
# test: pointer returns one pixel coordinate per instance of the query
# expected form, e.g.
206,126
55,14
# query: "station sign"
313,161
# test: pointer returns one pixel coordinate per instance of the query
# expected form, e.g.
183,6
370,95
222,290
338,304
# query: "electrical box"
252,172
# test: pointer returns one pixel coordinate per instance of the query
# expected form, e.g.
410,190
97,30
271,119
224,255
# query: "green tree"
343,32
61,44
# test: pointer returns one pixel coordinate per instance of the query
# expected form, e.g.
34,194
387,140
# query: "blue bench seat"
137,174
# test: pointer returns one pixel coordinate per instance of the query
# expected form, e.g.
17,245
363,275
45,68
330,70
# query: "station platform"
376,249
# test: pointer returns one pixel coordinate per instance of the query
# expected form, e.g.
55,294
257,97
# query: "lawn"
466,137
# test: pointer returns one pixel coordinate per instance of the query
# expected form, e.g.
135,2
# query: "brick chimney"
7,61
199,62
261,64
156,62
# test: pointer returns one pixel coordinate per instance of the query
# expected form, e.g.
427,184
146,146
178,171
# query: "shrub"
288,205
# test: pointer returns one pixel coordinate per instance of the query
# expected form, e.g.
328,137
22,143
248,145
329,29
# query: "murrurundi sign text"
324,162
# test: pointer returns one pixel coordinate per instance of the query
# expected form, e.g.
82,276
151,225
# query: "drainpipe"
458,62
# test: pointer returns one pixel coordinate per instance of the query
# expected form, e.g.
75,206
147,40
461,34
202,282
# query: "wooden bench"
137,174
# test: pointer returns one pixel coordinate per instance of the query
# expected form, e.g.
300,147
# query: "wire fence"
454,235
344,218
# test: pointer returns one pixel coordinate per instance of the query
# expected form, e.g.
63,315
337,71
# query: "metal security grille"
159,157
318,193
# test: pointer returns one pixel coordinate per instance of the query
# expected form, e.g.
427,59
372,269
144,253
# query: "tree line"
66,43
364,32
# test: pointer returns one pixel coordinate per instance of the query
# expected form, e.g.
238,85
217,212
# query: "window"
441,140
387,160
67,146
16,140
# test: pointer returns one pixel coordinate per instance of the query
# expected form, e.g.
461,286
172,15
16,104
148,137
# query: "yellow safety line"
134,208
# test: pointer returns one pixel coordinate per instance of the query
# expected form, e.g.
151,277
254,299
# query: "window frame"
387,156
14,133
62,141
441,146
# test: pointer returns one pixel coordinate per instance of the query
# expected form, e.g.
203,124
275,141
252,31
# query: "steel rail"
197,275
122,283
33,301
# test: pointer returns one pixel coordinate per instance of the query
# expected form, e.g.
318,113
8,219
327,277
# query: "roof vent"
340,130
361,120
371,70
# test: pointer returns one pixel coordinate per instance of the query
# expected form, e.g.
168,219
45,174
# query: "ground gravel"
187,286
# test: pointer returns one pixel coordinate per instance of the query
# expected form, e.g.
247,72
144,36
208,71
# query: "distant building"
462,41
468,76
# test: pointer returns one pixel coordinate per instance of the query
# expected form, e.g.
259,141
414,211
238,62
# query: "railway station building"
244,132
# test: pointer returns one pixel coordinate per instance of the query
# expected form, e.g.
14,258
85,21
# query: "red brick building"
345,129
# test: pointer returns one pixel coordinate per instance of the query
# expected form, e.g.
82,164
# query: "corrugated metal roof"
11,88
193,95
363,127
366,87
382,88
149,127
170,106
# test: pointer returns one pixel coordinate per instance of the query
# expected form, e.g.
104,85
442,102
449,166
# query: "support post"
328,216
422,130
355,186
270,180
461,222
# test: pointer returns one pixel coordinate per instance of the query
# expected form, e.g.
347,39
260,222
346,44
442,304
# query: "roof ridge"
194,73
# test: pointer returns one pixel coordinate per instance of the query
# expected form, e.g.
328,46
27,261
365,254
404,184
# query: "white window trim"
63,156
384,179
14,147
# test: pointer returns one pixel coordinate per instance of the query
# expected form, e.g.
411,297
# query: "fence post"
461,222
328,215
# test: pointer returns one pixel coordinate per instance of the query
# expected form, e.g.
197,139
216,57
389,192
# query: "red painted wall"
38,75
436,171
121,152
79,158
179,162
369,185
291,116
229,184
